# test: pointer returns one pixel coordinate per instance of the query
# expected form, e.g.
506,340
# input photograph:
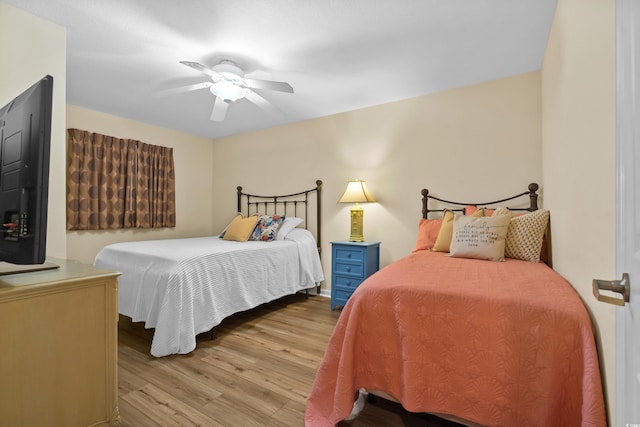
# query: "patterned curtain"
109,183
155,197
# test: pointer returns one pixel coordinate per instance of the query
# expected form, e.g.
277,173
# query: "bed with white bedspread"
183,287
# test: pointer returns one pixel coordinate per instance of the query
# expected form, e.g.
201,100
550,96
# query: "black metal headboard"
532,193
296,204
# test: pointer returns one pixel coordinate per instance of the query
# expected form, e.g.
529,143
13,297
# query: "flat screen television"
25,140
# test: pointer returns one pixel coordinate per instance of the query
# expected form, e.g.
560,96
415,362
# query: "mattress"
183,287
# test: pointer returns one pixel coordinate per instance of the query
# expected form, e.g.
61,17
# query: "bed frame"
459,206
532,192
296,204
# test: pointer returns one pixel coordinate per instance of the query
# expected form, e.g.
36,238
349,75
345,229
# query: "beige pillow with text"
479,238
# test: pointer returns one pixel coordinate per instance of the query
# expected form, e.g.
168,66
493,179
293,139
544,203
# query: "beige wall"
579,155
31,48
193,156
474,143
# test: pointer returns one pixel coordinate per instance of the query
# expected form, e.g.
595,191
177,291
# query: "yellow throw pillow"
239,214
241,228
446,230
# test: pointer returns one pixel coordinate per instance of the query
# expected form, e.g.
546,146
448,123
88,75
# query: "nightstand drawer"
351,254
340,297
346,282
355,269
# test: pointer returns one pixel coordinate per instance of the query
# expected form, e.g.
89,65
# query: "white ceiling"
338,55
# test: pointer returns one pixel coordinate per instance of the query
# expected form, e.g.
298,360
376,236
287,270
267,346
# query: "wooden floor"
257,371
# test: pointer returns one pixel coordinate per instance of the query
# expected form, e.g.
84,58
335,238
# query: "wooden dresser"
58,347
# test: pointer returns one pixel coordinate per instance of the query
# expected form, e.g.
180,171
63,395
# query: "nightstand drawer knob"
348,282
348,255
348,268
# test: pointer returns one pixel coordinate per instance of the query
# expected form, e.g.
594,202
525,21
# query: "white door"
628,230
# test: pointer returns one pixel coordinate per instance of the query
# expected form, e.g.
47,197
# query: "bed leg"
318,290
306,294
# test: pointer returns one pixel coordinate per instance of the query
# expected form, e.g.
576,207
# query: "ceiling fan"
228,84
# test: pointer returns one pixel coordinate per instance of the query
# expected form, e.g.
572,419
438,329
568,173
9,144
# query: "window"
117,183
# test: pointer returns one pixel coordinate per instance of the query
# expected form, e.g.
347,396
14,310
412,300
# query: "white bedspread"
182,287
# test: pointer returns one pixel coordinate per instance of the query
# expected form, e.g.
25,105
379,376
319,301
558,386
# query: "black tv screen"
25,140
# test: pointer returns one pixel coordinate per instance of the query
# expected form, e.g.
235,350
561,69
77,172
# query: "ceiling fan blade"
219,110
199,67
269,85
262,103
182,89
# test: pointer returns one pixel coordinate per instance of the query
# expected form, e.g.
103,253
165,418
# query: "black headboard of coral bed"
459,206
296,204
532,193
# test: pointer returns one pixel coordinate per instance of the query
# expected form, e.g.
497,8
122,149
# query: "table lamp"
357,193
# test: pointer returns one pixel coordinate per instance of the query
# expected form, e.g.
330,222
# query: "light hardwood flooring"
257,371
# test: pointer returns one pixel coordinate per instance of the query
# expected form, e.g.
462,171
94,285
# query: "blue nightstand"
351,264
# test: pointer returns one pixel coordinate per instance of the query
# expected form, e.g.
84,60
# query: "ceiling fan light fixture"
227,91
228,85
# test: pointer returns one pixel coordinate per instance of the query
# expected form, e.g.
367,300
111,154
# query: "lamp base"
356,225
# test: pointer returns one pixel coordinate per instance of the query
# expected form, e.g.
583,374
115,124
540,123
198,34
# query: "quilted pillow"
428,230
267,228
240,228
479,237
444,236
526,234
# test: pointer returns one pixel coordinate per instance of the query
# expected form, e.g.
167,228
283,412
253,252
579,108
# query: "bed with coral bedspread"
491,343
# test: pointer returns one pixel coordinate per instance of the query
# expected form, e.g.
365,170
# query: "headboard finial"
425,197
319,183
533,196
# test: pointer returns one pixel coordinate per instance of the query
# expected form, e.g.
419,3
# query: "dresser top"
66,271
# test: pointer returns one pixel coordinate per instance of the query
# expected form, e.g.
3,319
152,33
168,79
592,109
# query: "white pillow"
480,238
290,222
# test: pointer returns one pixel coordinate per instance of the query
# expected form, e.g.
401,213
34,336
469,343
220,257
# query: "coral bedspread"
496,343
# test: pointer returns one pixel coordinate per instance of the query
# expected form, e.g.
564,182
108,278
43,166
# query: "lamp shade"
356,192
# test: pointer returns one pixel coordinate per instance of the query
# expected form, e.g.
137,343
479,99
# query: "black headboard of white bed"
459,206
296,204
